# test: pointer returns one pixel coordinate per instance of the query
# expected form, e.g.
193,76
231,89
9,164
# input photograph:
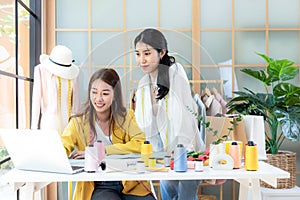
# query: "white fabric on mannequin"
47,101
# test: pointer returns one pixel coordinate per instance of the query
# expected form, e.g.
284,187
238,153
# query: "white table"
248,179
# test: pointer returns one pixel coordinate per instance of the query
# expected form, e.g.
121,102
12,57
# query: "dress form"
55,96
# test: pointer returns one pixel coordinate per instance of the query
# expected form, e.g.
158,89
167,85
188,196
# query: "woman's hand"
77,155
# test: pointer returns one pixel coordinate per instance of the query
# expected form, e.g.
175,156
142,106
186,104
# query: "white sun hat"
60,62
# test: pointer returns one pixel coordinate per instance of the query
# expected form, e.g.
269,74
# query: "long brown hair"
118,111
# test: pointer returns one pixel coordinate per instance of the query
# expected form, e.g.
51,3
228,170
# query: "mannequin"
55,96
55,90
8,90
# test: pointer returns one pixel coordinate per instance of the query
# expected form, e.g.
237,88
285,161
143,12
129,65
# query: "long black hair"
158,41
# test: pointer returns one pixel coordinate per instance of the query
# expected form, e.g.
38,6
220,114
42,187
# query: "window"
20,47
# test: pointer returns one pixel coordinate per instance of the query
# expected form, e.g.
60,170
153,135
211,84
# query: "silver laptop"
37,150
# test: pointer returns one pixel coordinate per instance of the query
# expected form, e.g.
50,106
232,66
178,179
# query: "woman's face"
147,58
101,96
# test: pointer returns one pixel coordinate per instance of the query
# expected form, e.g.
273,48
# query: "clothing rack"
219,81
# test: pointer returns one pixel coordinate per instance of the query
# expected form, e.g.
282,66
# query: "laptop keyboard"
76,167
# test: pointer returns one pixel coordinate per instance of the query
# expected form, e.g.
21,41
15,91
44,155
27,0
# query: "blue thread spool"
180,159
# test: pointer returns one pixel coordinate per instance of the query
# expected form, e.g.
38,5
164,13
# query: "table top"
265,171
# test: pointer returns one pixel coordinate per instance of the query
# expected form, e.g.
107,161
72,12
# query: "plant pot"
285,160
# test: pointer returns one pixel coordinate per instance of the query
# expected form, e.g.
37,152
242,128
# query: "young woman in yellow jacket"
105,118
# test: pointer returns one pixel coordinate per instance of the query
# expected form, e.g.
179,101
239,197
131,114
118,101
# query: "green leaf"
290,122
259,75
287,94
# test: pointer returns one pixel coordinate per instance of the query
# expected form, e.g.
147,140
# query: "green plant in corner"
279,105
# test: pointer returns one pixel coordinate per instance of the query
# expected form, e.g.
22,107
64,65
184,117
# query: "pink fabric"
213,107
223,103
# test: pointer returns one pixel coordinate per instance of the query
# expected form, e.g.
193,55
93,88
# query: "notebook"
37,150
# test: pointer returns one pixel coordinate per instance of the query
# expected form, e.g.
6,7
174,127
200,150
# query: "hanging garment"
213,107
54,98
223,103
202,113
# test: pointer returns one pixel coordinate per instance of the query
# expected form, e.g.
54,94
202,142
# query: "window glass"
71,14
23,67
284,44
283,14
246,44
249,14
215,47
108,48
78,48
216,14
177,10
107,14
141,14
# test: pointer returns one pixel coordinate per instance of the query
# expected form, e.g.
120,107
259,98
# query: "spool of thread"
228,144
152,162
146,152
140,166
167,161
198,165
180,160
251,156
234,152
91,159
172,164
100,150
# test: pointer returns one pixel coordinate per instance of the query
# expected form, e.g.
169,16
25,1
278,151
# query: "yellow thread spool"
152,162
251,157
146,152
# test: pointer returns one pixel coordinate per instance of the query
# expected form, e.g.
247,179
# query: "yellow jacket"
129,139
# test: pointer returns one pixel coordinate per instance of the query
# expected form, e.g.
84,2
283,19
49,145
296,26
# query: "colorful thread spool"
180,161
251,156
167,161
234,152
91,159
152,162
228,144
146,152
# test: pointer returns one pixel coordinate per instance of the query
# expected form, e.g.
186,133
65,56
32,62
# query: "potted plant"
279,105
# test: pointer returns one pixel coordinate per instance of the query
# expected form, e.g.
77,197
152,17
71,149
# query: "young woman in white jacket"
163,106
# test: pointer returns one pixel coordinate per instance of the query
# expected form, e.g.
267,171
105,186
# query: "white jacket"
175,119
